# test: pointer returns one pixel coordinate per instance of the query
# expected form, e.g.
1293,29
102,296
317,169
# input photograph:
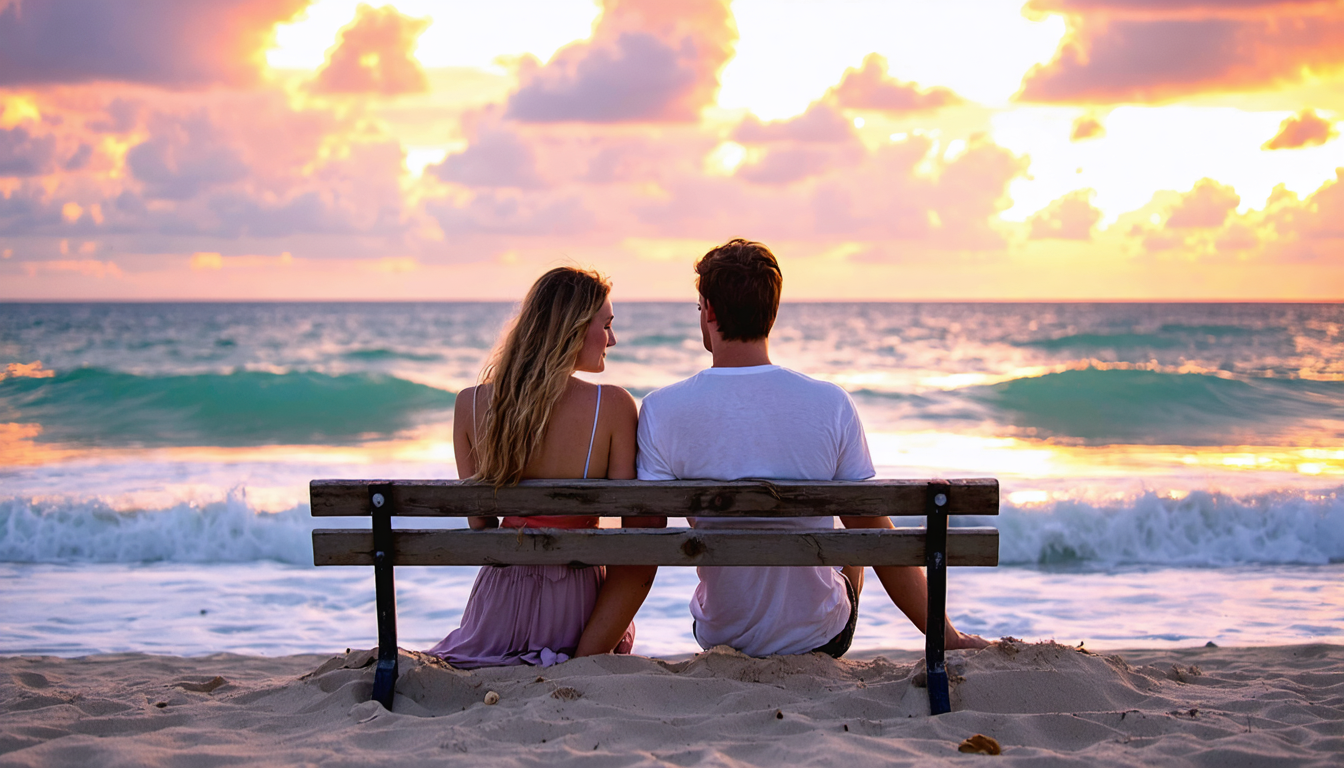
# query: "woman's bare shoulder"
621,400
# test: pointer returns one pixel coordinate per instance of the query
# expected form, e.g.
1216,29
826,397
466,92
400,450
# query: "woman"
530,418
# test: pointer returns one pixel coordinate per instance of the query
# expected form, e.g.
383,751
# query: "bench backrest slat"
905,546
679,498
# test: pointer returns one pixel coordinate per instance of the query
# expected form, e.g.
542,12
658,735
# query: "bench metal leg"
385,676
935,560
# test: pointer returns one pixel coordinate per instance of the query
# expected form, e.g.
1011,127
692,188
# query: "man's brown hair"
742,281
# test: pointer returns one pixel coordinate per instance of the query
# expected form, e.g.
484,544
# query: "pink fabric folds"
525,614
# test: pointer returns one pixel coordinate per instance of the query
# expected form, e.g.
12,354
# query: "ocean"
1171,473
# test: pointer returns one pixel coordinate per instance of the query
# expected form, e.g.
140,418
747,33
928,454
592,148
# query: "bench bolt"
378,500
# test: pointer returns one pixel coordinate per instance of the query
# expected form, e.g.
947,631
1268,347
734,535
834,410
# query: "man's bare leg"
909,590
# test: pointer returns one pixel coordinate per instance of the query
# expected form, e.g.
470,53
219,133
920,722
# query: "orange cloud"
1289,230
1207,204
1305,129
869,87
1070,217
170,43
1148,51
1311,229
647,61
1087,127
819,123
374,55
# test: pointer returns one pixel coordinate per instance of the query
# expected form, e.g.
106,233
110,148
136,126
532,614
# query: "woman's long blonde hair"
531,367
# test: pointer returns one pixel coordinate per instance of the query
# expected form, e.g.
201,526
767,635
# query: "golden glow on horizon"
1017,458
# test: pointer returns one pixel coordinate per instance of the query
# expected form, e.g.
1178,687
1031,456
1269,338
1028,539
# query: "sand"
1044,704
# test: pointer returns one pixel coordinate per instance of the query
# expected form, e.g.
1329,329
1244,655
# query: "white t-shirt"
758,422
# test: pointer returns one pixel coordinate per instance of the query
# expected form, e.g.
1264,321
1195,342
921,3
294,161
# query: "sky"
443,149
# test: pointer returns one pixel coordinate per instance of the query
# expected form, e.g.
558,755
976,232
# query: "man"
748,418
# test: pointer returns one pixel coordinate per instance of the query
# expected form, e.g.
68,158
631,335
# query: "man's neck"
741,354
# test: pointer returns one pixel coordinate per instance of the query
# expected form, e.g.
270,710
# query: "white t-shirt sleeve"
650,463
855,463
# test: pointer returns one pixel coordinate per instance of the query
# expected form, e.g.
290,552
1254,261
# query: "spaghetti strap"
593,437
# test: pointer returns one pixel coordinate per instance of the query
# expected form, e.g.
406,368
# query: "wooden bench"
934,546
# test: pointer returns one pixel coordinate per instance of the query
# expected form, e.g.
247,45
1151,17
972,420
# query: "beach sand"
1045,704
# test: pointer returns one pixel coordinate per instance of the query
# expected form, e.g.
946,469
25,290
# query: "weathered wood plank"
966,546
677,498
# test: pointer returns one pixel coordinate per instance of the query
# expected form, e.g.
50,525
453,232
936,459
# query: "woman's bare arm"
464,447
626,586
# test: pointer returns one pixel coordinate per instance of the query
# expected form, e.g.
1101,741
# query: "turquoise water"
1134,443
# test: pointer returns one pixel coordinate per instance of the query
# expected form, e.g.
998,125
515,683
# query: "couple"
742,418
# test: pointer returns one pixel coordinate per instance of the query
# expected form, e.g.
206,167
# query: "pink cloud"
25,154
511,215
888,197
819,123
498,157
1070,217
785,165
171,43
647,61
183,157
1310,229
870,88
374,55
1151,51
1207,204
1305,129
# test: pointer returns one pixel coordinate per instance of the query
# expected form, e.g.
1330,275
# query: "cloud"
1288,230
1207,204
498,157
1153,51
819,123
900,192
374,55
1305,129
1070,217
647,61
815,142
170,43
1310,229
870,88
183,157
23,154
785,165
495,212
1086,127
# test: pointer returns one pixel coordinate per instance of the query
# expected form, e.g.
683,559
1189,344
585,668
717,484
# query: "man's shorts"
841,642
838,645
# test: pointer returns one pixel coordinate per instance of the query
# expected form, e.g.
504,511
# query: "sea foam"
1201,529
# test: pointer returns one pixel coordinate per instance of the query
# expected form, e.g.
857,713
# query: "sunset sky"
965,149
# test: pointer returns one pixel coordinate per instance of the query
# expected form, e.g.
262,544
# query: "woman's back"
589,426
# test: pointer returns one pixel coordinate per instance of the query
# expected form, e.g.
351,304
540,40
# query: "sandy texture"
1045,705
